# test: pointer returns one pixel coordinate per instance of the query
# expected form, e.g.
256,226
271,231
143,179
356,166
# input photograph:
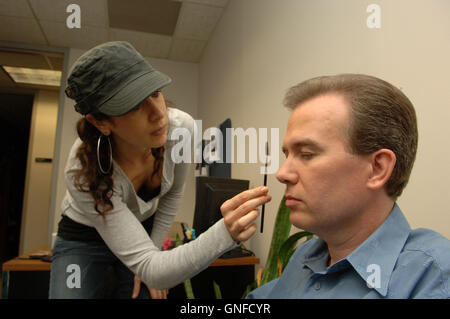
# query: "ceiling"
169,29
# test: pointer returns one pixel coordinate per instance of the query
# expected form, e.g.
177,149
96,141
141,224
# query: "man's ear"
382,163
102,126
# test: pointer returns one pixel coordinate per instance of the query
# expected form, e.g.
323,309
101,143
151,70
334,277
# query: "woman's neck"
127,154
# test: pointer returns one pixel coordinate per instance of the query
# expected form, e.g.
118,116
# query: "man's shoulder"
423,266
428,244
427,241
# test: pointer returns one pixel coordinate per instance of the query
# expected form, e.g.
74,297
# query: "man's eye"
306,156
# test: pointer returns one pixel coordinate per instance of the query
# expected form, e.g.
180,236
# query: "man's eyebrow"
307,142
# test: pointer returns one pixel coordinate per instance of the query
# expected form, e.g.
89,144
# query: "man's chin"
301,219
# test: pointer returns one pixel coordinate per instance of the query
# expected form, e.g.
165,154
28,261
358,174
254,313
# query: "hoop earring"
98,155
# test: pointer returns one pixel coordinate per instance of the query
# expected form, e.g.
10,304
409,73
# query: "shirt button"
317,285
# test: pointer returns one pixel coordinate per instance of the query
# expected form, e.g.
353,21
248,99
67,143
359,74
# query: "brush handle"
262,219
265,184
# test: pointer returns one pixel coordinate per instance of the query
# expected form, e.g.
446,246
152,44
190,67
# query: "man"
350,146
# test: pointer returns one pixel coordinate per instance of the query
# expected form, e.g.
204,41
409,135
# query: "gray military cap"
112,78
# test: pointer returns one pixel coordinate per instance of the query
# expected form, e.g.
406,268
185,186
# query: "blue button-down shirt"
394,262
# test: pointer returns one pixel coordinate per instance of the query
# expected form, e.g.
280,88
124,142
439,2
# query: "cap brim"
134,93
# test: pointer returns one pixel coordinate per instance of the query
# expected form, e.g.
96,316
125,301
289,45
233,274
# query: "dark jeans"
89,270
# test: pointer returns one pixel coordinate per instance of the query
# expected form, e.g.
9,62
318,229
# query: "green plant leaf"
217,291
188,289
249,288
281,231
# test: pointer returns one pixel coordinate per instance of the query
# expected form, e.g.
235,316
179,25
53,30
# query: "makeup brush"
265,184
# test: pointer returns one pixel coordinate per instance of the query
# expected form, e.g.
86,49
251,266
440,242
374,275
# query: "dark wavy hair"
89,178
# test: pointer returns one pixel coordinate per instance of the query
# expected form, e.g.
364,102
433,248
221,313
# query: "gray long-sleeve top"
122,231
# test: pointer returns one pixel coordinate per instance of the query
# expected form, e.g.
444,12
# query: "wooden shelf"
21,263
240,261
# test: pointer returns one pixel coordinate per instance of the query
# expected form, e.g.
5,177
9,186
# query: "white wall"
183,91
262,47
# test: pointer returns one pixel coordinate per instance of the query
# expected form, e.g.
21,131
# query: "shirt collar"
378,253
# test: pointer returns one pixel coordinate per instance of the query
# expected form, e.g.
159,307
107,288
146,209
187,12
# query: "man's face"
325,184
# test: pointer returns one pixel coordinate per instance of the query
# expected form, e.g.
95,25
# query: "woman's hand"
154,293
241,211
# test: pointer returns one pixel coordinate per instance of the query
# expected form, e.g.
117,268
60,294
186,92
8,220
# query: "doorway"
28,119
15,119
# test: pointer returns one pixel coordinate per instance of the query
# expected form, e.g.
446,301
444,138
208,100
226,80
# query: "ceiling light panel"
34,76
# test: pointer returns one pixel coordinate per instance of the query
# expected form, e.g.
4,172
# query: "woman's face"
142,128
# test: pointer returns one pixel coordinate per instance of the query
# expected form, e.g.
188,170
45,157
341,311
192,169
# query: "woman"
123,188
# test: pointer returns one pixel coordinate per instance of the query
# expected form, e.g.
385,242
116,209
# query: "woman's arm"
128,240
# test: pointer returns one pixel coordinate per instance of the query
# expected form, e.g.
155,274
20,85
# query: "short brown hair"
381,117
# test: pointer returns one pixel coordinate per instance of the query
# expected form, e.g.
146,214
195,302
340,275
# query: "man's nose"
285,174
